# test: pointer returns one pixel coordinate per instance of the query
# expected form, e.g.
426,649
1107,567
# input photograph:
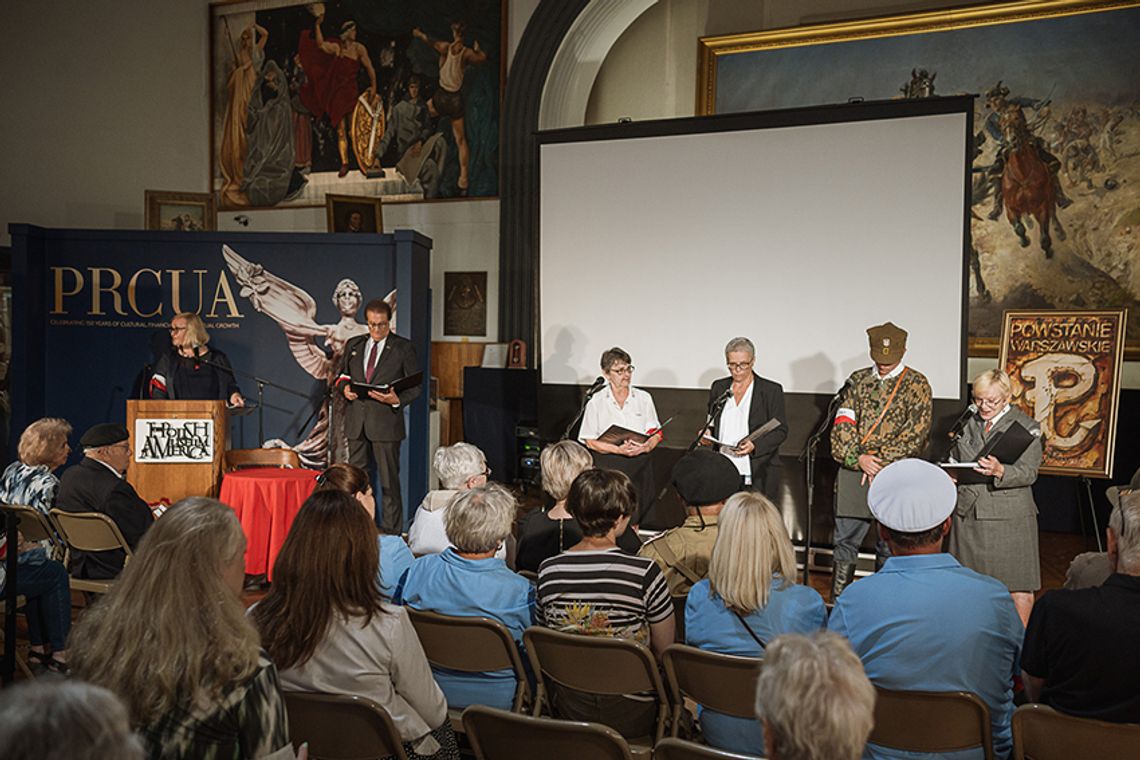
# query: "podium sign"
178,448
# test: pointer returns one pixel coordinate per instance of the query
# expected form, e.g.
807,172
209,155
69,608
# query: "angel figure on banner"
318,349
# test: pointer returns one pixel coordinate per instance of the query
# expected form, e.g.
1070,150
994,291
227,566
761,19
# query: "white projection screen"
796,236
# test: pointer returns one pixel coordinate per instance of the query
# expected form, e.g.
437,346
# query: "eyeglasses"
989,403
626,370
177,329
378,325
736,366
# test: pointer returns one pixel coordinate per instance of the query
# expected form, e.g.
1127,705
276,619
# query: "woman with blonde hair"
546,532
194,371
172,640
327,626
749,598
41,579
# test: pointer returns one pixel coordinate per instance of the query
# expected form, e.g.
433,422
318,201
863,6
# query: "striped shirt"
602,593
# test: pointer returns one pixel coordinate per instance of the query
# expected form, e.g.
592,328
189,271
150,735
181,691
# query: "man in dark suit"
96,484
376,421
754,400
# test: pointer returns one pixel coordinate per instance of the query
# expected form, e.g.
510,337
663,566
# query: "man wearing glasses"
96,484
884,416
376,422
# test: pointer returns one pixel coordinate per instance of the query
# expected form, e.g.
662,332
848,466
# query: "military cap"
911,496
888,343
704,477
104,434
1122,496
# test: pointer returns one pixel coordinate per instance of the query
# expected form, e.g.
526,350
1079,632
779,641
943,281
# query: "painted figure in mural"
302,119
248,58
921,84
318,349
331,65
421,152
269,174
1026,185
1078,133
454,57
1000,105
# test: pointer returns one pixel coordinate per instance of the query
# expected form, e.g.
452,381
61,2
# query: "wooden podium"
172,456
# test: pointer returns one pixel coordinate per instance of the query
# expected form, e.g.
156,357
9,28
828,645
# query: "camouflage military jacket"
904,430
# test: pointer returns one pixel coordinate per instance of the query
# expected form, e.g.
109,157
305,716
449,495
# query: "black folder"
1007,447
361,389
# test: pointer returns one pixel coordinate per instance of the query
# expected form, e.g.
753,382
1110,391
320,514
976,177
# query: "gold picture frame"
339,210
178,211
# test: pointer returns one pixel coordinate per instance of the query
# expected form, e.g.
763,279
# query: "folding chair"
596,665
679,749
21,662
928,721
341,727
237,459
90,532
500,735
722,682
1042,733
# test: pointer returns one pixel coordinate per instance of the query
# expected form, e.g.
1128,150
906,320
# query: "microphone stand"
262,383
581,410
713,412
808,457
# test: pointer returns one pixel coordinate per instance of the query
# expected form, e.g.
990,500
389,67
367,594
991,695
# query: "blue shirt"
925,623
395,559
452,585
710,625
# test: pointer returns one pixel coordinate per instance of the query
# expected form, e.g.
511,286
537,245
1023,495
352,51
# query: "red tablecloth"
266,499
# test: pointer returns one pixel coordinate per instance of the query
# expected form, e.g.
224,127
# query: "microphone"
960,423
599,383
197,356
723,398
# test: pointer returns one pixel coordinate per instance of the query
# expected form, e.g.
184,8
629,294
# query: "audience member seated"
172,640
749,598
459,467
596,589
40,578
395,556
924,622
64,720
1093,568
467,580
704,479
546,532
327,626
1080,655
96,484
813,699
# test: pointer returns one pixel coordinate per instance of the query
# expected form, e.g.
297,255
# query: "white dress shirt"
637,414
734,427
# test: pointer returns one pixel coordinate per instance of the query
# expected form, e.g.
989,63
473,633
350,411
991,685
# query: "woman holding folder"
995,522
629,408
746,402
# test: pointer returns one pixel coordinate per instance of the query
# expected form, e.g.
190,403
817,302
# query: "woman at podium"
193,371
630,409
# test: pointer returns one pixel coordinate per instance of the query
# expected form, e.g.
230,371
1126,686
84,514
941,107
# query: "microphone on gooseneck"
599,383
960,423
197,356
723,399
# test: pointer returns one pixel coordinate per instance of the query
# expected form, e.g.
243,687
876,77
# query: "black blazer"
767,402
367,418
91,487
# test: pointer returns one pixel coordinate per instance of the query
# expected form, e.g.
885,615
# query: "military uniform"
888,417
683,552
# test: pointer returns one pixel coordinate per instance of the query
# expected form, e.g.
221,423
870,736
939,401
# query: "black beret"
104,434
704,477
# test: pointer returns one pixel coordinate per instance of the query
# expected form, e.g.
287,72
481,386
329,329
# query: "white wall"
103,101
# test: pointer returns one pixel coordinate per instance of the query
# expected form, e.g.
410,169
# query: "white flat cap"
911,496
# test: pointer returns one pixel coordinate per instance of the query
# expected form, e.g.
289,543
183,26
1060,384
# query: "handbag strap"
748,628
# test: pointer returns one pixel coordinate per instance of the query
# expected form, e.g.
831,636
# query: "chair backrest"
1042,733
89,531
678,749
341,727
33,524
723,682
471,645
501,735
239,458
928,721
593,664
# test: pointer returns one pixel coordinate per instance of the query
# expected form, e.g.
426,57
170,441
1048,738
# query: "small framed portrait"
353,213
181,212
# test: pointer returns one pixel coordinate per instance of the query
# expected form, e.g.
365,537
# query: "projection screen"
798,237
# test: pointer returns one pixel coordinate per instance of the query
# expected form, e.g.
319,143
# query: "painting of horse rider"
1055,218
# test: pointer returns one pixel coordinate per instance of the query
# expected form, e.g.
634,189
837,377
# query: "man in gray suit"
376,421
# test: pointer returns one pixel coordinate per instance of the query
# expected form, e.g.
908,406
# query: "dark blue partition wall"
90,307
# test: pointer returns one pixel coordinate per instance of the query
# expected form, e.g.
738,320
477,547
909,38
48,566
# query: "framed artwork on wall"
1055,220
183,212
465,303
396,99
352,213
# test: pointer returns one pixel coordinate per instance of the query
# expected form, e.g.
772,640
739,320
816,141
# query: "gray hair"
480,519
1124,522
562,462
457,463
740,344
64,720
814,698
